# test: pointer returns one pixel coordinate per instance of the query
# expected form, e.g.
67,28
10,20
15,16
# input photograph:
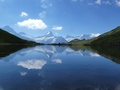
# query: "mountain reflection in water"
58,68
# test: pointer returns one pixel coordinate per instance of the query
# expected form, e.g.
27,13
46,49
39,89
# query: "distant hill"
111,38
7,38
21,35
76,40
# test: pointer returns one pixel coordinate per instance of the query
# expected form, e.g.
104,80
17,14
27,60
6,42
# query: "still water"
57,68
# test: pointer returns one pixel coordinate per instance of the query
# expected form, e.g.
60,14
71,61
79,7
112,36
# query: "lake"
57,68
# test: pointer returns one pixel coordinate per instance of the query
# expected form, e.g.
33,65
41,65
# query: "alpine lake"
47,67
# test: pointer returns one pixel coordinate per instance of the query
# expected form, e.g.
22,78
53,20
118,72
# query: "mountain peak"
7,27
22,33
49,34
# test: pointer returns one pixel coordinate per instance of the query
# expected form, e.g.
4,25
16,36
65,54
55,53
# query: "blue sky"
62,17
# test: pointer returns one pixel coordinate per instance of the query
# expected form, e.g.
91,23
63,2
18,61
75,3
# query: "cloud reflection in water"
57,61
32,64
23,73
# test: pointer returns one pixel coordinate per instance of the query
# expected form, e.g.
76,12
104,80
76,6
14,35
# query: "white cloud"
98,2
23,14
32,64
57,61
117,2
57,28
42,14
33,24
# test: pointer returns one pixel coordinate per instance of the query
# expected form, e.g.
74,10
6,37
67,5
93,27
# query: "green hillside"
111,38
7,38
80,42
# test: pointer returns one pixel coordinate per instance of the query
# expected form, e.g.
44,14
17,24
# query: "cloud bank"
33,24
57,28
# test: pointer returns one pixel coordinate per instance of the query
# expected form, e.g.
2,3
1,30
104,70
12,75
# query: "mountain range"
7,39
82,37
110,38
49,38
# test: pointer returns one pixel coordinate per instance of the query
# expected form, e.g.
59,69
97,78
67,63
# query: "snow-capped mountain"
89,36
25,36
49,34
20,35
10,30
81,37
50,38
70,38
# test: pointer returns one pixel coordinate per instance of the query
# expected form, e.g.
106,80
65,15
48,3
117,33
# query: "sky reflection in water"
58,68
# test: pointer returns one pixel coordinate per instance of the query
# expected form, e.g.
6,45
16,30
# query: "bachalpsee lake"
59,68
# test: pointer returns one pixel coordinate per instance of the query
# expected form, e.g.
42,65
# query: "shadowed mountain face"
10,30
8,38
20,35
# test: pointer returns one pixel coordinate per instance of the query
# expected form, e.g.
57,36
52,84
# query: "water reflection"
6,50
59,61
1,88
32,64
109,52
23,73
50,51
58,68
